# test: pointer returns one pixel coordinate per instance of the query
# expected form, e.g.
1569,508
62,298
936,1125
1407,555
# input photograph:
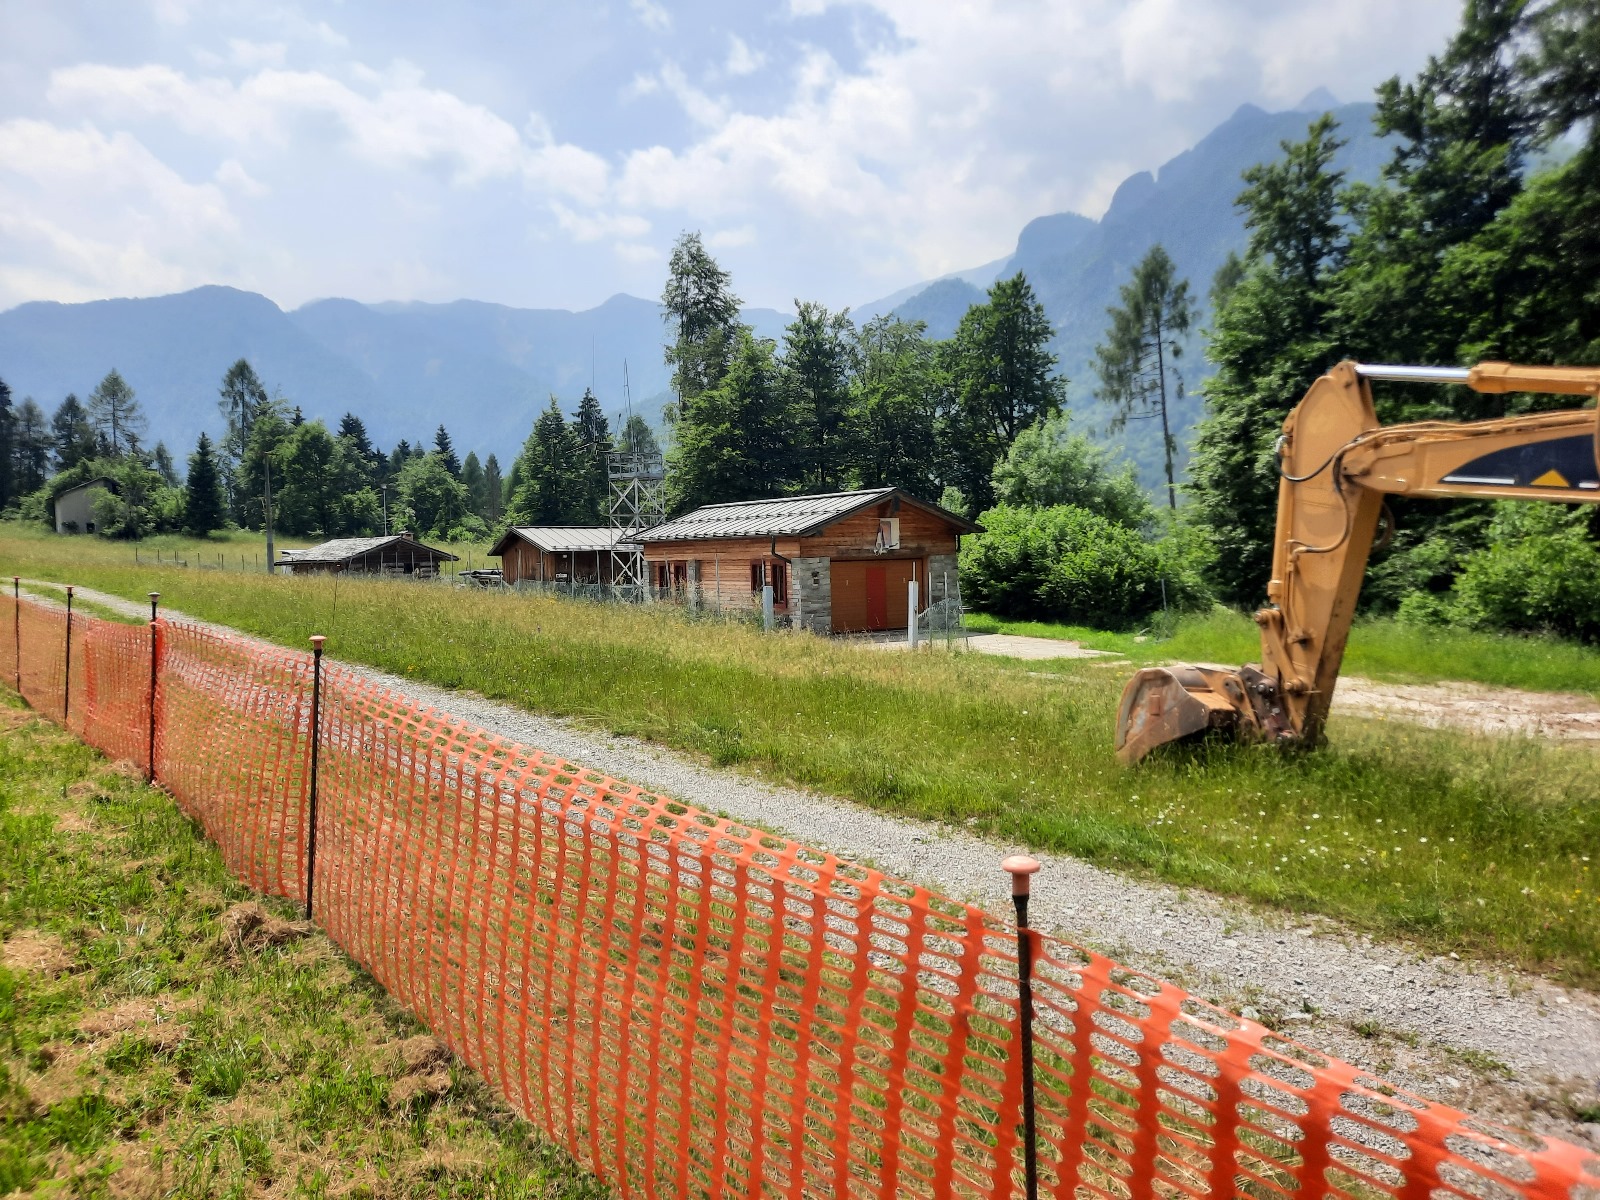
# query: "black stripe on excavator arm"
1560,463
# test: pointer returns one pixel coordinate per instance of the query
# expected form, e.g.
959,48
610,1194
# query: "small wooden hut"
557,554
398,555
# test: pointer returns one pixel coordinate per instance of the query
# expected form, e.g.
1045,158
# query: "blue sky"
547,154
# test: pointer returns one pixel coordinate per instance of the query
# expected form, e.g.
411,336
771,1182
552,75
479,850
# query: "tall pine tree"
204,506
1138,361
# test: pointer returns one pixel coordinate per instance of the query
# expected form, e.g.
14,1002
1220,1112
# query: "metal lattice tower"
638,501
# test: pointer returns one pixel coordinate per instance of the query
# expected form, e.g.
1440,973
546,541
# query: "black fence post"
155,597
1020,867
316,738
66,683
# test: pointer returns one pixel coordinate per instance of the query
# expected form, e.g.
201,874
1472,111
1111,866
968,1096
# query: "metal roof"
560,539
785,516
341,549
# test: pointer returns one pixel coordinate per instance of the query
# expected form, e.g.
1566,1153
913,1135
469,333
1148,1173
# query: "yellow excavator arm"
1336,464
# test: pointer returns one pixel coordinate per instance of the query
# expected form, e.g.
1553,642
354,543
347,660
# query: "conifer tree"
1138,360
115,415
593,434
551,481
31,435
446,452
817,347
472,480
204,507
702,314
71,434
494,504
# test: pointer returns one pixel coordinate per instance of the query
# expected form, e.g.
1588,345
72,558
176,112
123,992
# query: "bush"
1539,573
1068,564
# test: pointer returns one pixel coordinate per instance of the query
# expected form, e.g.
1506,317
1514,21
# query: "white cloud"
243,52
732,239
598,226
394,122
742,60
651,15
60,240
232,175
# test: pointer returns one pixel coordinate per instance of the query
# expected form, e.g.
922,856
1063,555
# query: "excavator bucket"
1162,705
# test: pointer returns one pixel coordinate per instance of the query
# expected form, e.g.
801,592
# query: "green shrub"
1539,572
1065,563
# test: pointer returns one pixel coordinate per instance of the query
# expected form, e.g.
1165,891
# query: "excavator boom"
1336,463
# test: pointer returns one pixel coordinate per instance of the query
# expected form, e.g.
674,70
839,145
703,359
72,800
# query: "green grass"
1380,648
143,1052
1476,845
233,550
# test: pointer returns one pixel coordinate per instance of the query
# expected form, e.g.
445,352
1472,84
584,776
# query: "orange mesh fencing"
693,1007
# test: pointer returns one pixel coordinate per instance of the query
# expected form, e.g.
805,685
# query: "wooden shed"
397,555
578,554
838,562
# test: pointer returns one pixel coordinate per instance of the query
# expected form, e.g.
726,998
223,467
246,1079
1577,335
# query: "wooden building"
397,555
837,563
571,554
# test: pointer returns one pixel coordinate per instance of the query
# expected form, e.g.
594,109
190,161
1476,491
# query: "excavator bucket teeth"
1162,705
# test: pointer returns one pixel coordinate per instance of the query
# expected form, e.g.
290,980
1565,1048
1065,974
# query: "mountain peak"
1318,100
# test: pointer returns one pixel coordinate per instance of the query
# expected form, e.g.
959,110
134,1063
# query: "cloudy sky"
547,152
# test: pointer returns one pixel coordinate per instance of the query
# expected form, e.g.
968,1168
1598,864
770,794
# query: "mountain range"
485,370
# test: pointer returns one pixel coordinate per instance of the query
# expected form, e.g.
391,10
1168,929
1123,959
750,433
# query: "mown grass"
1380,648
145,1052
1476,845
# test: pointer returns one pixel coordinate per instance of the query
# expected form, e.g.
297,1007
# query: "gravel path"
1427,1022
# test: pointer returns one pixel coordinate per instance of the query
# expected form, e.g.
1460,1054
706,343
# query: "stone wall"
941,569
811,594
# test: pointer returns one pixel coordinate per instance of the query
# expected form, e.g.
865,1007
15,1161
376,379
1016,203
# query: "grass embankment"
156,1041
1478,845
1380,648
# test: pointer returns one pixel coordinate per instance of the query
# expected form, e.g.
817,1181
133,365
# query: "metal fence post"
66,682
155,597
1020,867
16,624
316,739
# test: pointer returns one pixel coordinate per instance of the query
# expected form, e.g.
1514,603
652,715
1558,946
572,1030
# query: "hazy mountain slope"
484,370
174,350
1188,207
941,305
1077,265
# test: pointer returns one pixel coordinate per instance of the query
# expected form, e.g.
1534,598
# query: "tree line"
324,482
836,406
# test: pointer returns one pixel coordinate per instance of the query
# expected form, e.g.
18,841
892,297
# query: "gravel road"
1506,1044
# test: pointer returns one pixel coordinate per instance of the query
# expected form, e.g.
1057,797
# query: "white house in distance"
75,506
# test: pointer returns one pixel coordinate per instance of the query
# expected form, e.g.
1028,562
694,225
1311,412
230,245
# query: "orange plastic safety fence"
695,1008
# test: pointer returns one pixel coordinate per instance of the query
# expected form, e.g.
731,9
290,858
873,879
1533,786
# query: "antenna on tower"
638,501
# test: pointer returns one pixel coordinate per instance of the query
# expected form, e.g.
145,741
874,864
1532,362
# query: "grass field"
1476,845
153,1044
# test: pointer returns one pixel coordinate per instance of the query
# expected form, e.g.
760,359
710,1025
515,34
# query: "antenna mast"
638,501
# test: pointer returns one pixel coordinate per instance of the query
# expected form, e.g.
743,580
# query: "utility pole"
267,512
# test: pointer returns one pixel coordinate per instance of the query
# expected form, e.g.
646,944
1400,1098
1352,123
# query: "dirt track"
1471,706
